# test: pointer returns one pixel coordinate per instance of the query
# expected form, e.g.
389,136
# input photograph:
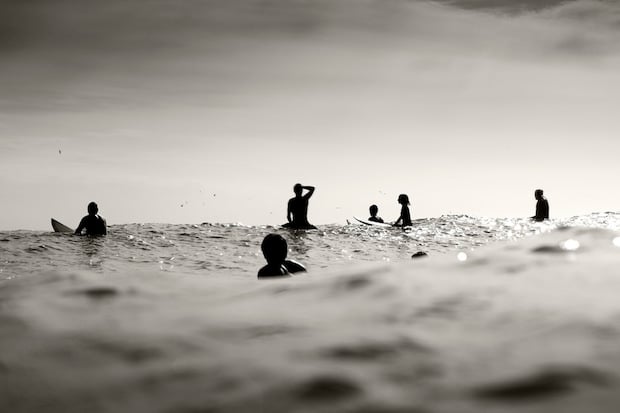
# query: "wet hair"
538,192
274,248
297,189
93,208
373,209
403,199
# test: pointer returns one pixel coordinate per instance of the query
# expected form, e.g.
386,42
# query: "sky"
196,111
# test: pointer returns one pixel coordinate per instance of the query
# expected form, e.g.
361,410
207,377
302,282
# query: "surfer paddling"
297,211
374,210
275,249
542,206
92,223
404,220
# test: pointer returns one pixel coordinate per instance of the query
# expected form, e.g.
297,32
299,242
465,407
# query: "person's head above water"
298,189
373,210
403,199
93,208
538,194
274,249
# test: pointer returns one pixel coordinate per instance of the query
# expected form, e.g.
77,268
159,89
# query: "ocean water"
230,250
502,315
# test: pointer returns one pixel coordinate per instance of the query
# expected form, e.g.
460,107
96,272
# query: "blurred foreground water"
171,318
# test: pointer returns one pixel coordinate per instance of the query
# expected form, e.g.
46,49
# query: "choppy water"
234,251
171,318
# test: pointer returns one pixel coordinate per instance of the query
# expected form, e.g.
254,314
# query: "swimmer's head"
538,193
93,208
274,248
373,210
298,189
403,199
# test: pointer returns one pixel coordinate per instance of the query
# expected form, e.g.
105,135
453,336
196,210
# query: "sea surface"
500,315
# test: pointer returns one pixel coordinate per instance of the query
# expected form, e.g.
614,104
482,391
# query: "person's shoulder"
270,272
293,266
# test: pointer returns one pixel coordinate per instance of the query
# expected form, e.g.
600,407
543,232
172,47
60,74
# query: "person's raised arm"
310,190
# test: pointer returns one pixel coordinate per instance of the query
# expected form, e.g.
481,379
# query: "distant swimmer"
542,206
92,223
404,220
297,211
275,249
373,214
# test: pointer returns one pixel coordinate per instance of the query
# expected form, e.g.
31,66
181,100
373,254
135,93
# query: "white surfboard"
376,224
58,227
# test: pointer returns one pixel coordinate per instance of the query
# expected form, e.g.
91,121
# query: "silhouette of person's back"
297,210
275,250
92,223
542,206
374,210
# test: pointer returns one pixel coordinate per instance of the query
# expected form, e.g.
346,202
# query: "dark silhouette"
275,249
542,206
373,214
297,211
92,223
404,220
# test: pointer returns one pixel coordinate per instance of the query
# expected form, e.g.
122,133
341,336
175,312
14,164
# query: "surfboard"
376,224
58,227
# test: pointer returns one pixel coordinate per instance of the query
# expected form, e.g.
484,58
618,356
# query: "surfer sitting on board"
542,206
297,211
404,220
275,249
373,214
92,223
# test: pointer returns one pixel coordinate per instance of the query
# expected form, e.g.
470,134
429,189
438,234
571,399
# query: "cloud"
81,55
504,6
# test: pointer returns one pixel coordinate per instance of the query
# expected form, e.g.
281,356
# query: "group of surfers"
297,210
275,247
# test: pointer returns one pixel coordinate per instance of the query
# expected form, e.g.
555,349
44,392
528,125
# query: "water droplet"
616,241
461,256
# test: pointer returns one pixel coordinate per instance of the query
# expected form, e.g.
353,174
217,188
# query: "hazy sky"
192,111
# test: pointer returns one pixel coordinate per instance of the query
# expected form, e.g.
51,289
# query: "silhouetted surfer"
374,210
542,206
297,211
404,220
275,249
92,223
